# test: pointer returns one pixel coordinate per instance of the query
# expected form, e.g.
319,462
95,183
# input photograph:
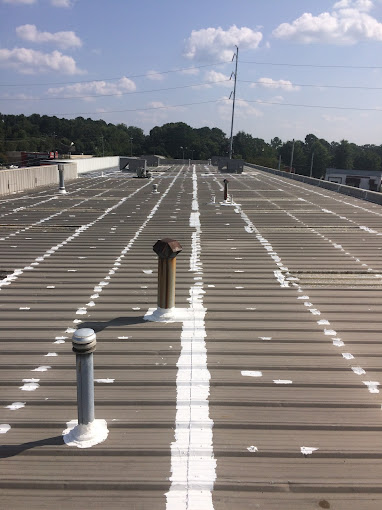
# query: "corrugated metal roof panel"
292,296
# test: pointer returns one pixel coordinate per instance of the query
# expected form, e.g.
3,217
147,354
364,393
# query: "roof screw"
61,188
84,344
226,181
167,249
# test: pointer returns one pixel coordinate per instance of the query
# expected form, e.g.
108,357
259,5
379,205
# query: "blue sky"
128,62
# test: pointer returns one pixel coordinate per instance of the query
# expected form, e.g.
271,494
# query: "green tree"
343,155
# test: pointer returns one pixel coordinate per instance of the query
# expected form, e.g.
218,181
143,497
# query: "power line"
113,95
315,106
219,101
146,75
309,65
139,109
274,85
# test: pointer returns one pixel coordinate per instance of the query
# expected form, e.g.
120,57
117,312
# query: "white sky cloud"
243,109
348,23
219,79
20,96
62,39
154,75
61,3
275,84
19,2
27,61
192,71
211,43
159,114
334,118
94,88
361,5
55,3
268,102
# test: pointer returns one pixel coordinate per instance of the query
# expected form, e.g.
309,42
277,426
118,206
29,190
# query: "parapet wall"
20,179
363,194
93,164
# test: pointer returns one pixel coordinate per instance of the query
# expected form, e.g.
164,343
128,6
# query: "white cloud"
21,96
243,109
93,88
219,79
334,118
192,71
275,84
158,112
19,2
62,39
154,75
27,61
159,105
217,44
54,3
361,5
349,23
61,3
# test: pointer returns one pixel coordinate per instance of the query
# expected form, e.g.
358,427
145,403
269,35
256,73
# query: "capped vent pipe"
83,345
61,188
167,249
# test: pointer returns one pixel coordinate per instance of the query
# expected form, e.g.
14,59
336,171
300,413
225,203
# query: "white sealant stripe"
14,276
31,386
306,189
337,342
193,465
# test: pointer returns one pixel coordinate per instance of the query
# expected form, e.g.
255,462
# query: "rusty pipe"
166,283
167,250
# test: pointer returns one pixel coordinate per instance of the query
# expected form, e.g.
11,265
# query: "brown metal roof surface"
292,278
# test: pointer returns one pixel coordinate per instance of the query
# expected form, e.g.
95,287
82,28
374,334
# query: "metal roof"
265,396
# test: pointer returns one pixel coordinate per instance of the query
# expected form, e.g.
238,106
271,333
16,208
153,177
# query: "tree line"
175,140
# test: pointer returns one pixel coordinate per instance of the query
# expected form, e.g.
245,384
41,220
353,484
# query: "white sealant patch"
252,373
43,368
85,436
252,449
282,381
308,450
373,386
30,384
358,370
16,405
193,466
104,381
4,428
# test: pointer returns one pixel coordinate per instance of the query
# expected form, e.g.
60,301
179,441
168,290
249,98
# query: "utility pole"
311,165
291,158
235,56
131,146
279,161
